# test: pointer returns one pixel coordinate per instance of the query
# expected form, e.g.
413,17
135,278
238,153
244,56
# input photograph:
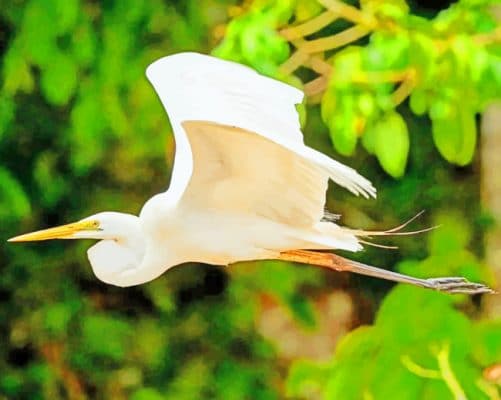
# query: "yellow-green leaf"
392,143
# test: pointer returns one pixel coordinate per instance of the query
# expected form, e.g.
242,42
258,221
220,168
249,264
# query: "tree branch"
338,40
311,26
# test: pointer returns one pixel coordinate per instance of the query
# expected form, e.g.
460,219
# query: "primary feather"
196,87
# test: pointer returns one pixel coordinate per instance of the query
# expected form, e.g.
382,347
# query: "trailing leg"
341,264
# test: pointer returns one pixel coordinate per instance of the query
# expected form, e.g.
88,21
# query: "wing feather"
196,87
240,172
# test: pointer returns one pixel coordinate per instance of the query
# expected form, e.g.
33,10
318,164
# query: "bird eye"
94,224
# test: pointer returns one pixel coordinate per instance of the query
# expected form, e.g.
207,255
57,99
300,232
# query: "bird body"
244,185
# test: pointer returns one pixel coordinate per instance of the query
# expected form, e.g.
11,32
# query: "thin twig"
448,374
52,352
418,370
316,86
294,62
335,41
371,77
350,13
311,26
320,66
405,89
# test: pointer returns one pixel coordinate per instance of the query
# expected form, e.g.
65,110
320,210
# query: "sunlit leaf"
59,80
423,53
14,203
105,336
306,379
306,9
392,143
456,135
16,71
87,124
84,43
487,342
38,30
64,13
452,235
418,102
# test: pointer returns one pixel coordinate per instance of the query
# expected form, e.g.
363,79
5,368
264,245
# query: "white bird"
244,185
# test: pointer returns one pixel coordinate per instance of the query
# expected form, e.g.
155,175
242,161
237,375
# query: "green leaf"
51,184
461,48
369,138
348,381
65,14
253,39
353,364
386,51
301,110
487,342
84,43
57,317
11,383
147,394
423,53
306,379
16,72
38,31
442,108
14,203
328,105
394,9
359,345
347,64
105,336
392,143
436,389
306,9
343,124
59,80
7,111
478,63
453,235
390,376
88,125
456,136
366,104
418,102
411,317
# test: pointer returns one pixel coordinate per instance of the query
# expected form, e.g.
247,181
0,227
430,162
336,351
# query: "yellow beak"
59,232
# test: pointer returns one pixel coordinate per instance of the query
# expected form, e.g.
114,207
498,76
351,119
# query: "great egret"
244,185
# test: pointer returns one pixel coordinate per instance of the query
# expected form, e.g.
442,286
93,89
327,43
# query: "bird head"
105,225
121,247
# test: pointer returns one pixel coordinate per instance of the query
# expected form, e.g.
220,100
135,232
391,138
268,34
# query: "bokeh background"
406,92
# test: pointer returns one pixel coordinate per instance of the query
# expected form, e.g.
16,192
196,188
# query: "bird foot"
457,285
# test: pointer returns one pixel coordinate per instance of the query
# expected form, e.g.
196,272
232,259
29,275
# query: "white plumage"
196,87
244,185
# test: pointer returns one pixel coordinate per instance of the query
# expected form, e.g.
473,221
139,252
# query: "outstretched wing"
221,95
241,172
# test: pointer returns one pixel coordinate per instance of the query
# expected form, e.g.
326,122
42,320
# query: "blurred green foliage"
421,345
450,66
81,130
